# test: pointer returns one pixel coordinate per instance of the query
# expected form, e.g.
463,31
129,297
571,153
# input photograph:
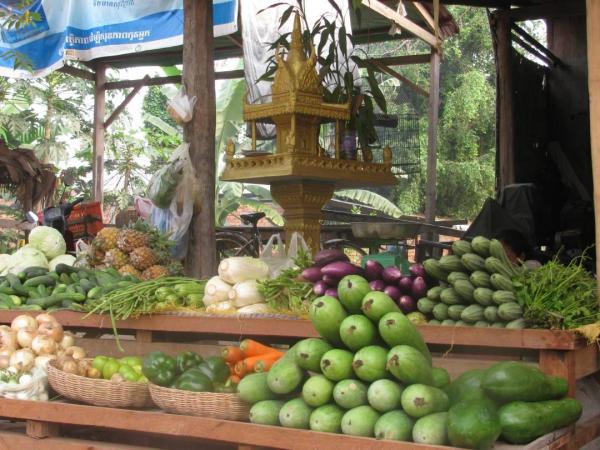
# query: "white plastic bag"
295,244
181,107
33,386
273,254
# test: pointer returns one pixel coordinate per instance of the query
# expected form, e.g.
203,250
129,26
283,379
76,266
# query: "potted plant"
338,70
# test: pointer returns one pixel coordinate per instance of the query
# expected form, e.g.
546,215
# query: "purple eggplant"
312,274
393,292
373,270
338,269
377,285
419,288
417,270
407,304
332,292
405,284
325,257
320,287
391,274
330,280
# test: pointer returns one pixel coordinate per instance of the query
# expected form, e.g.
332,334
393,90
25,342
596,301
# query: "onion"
83,366
92,372
373,270
25,336
8,338
6,352
43,345
45,317
117,377
24,321
53,330
75,352
68,340
22,360
405,284
4,361
70,367
41,362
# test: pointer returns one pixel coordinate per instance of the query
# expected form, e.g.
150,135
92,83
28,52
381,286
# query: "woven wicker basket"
99,392
206,404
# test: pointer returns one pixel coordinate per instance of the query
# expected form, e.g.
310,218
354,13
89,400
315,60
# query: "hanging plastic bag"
143,206
163,184
175,219
181,107
297,244
273,254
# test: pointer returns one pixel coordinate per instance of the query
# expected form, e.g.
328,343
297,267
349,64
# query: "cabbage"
69,260
25,257
4,260
48,240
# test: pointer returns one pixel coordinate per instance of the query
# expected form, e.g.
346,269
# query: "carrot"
240,369
232,354
250,362
235,379
251,347
263,365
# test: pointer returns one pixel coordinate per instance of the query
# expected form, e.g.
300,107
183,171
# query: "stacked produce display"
475,287
371,374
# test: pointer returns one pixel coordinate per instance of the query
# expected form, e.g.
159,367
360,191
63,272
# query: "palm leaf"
371,199
160,124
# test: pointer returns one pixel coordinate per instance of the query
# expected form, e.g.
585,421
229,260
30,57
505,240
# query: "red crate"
85,220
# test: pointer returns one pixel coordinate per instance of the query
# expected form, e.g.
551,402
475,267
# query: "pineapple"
116,258
95,256
130,239
142,258
154,272
128,269
106,239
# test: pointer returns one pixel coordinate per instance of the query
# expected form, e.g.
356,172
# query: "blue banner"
89,29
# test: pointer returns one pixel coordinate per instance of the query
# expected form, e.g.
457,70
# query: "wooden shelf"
528,339
192,427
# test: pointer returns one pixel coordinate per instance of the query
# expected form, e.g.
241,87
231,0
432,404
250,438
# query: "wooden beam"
593,54
199,80
539,47
432,131
119,109
559,8
403,60
173,79
425,14
387,12
506,169
99,131
77,72
535,52
414,86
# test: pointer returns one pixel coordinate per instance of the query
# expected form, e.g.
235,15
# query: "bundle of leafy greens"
558,296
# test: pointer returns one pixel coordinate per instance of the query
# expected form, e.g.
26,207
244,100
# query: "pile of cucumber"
38,289
475,288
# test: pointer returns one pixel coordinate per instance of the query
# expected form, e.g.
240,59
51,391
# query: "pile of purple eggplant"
331,266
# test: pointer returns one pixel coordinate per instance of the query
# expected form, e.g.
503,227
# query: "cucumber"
433,293
481,246
472,313
431,429
512,381
464,289
517,324
440,311
461,247
483,296
480,279
449,296
434,322
41,280
500,297
473,423
95,292
55,300
433,269
481,324
494,265
523,422
409,365
65,268
15,285
510,311
455,311
6,290
451,263
501,283
448,323
253,388
473,262
266,412
491,314
425,305
419,400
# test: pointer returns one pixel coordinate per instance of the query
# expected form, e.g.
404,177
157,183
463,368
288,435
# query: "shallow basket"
206,404
99,392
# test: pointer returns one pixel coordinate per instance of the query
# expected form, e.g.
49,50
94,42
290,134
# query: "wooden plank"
195,427
41,430
236,327
108,347
77,72
414,86
173,79
506,170
587,431
593,49
119,109
401,60
558,8
425,14
10,440
98,144
387,12
586,361
199,80
532,41
561,364
432,135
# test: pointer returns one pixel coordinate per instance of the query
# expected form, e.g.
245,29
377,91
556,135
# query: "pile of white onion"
34,341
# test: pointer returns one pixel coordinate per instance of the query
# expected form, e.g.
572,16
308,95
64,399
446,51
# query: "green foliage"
160,129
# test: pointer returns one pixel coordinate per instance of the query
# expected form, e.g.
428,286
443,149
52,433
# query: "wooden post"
434,105
99,129
505,131
593,49
199,80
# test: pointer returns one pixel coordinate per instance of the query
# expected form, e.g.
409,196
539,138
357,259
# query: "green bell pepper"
187,360
160,368
193,380
226,388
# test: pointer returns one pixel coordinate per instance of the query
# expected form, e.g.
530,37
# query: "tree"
154,107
